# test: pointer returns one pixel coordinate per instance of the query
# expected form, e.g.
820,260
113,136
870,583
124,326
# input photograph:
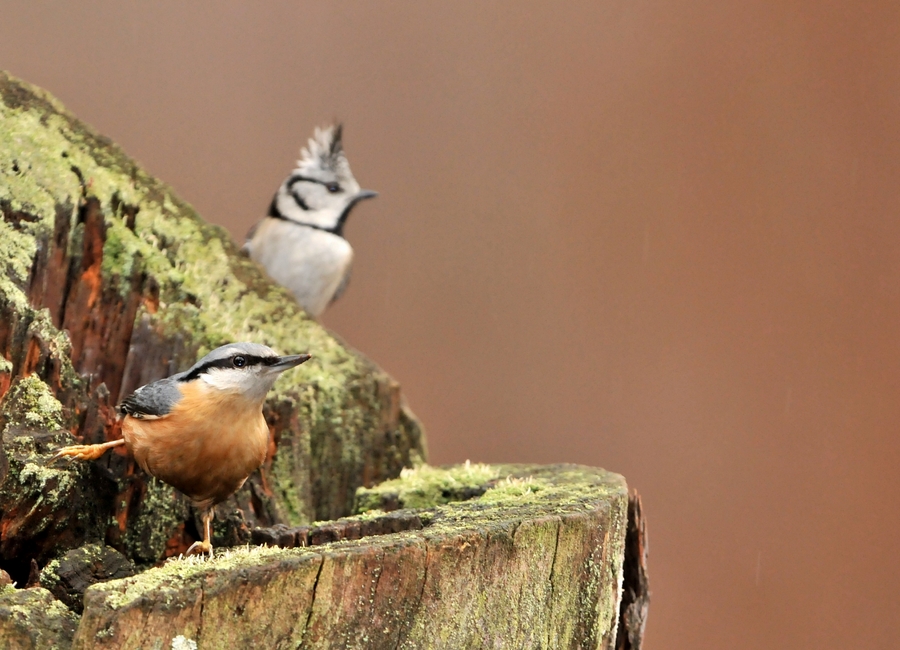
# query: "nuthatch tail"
301,241
202,430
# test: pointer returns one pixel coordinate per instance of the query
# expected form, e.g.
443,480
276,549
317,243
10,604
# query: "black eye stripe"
228,362
299,200
253,360
298,178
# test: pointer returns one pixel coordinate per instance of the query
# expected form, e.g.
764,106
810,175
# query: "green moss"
281,476
30,403
514,488
17,249
426,486
50,574
177,572
161,510
35,486
32,618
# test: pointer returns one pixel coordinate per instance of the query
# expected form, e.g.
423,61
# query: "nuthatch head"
301,241
202,430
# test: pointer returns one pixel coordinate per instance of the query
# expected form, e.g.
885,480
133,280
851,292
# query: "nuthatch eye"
301,241
202,430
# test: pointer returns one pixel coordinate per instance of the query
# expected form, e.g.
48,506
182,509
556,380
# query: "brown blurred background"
661,238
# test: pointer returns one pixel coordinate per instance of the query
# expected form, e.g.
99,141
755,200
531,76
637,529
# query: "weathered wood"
336,531
69,576
30,619
535,562
636,586
108,281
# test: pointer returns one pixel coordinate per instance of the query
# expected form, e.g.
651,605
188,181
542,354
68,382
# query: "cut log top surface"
534,562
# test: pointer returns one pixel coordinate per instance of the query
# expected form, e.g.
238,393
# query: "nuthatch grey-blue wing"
301,241
201,431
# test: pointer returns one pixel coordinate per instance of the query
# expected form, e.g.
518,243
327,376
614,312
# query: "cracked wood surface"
533,563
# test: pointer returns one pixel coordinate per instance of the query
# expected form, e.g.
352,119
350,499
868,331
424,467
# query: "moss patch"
177,572
536,560
425,486
30,403
161,510
32,618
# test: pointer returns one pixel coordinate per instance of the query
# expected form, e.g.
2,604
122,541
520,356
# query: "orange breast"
206,446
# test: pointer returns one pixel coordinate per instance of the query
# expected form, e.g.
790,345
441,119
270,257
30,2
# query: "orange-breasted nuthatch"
202,430
301,241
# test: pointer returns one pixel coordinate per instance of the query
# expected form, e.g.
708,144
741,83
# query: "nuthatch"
202,430
301,241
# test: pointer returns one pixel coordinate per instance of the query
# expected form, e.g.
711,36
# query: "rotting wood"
636,586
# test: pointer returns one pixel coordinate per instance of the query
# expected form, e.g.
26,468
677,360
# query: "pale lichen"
30,403
181,642
176,572
32,618
161,510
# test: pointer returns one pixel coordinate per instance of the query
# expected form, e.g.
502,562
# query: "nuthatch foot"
301,241
202,430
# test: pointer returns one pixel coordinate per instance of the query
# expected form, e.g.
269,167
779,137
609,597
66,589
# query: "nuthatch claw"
85,452
199,548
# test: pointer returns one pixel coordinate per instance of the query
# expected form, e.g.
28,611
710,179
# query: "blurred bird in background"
301,241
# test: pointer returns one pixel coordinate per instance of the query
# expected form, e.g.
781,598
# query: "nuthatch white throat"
301,241
201,431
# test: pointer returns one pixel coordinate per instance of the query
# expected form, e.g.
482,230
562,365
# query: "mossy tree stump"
534,562
109,281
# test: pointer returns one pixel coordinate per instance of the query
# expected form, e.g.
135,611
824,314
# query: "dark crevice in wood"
335,531
553,568
635,584
312,602
81,182
127,213
98,317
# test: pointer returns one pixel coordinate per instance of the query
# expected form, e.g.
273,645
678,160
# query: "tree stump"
109,281
534,562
